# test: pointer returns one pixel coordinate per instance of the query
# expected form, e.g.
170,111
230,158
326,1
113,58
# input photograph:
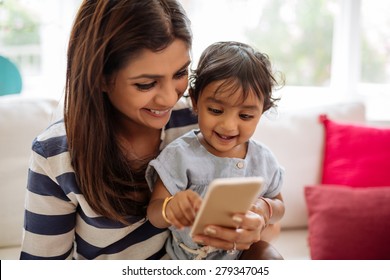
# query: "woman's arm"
49,214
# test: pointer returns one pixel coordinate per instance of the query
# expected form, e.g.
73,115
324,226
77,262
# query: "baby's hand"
182,208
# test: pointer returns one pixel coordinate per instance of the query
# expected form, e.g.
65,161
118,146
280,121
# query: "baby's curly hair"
241,66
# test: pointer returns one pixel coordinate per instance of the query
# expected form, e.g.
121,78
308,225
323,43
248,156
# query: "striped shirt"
60,224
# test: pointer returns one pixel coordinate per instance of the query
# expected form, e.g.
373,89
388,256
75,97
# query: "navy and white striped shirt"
60,224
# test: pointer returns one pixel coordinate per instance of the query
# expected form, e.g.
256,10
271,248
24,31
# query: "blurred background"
328,50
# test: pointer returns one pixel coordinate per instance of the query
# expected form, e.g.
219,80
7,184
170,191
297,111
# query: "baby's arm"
271,209
180,210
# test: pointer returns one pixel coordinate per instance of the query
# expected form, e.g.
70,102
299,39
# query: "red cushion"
348,223
355,155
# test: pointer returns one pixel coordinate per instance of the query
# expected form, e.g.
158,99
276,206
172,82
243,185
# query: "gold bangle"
164,206
269,208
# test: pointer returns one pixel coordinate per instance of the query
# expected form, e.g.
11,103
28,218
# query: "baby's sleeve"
170,166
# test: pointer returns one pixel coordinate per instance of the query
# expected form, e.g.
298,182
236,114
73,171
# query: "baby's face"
226,120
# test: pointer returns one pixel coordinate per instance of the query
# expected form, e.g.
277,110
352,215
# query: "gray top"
186,164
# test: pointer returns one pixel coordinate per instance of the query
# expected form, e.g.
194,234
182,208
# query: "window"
375,41
280,28
19,36
34,34
327,49
374,84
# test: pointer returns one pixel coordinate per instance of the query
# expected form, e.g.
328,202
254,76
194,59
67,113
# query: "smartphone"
224,198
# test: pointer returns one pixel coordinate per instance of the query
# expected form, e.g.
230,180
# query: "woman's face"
145,91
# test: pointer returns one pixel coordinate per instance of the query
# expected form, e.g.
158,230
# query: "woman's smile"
159,113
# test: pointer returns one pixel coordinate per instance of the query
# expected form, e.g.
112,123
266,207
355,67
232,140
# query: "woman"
127,70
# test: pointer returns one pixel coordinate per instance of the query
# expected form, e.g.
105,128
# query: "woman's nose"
168,95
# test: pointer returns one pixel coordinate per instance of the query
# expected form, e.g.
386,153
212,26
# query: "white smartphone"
224,198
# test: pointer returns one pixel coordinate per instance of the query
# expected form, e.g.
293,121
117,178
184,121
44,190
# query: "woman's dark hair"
240,66
106,35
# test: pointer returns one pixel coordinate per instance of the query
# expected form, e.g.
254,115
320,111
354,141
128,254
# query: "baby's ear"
193,102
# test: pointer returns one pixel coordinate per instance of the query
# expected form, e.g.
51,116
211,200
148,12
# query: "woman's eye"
145,86
214,111
181,73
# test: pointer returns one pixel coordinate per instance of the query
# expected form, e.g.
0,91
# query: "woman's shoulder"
182,115
55,129
52,141
181,121
183,103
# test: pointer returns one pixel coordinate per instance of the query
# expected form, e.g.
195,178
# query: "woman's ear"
105,84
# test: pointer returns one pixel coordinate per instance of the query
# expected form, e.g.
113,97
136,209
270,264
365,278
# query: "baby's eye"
246,116
214,111
144,87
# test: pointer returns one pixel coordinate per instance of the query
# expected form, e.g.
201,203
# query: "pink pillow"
348,223
355,155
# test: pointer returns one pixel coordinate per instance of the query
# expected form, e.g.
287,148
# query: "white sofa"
295,136
21,119
297,139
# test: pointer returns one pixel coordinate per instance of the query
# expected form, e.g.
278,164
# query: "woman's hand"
249,227
248,231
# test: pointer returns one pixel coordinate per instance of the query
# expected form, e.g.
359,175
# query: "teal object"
10,78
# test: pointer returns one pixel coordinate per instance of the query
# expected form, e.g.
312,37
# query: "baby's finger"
187,201
195,201
187,212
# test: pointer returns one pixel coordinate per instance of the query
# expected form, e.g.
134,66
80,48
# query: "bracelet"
164,206
269,208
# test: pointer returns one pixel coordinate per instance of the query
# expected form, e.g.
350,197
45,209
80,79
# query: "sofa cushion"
21,120
348,223
297,139
355,155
